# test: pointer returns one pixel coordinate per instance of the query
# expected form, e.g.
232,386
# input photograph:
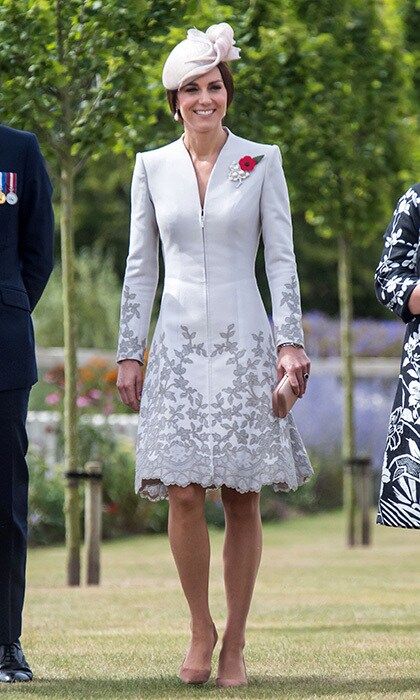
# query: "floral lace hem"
234,439
157,490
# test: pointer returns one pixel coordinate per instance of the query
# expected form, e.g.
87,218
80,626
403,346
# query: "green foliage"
330,83
411,27
334,84
324,491
126,513
101,207
123,511
72,71
98,295
46,500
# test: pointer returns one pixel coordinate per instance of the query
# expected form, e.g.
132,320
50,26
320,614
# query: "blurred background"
334,85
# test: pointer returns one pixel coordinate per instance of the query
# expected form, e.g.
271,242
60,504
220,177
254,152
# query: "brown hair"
227,80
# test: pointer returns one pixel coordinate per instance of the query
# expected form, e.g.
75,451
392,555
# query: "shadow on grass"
170,686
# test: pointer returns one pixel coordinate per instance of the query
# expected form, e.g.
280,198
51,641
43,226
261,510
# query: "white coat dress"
205,412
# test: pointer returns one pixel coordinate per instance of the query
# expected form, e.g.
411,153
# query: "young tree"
73,71
330,81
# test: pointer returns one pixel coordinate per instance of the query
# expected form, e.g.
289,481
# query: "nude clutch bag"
283,398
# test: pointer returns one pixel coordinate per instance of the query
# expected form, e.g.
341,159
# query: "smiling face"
203,101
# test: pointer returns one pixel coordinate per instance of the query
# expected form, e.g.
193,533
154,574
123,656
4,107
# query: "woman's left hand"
295,363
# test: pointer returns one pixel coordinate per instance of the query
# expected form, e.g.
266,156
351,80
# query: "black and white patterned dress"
396,276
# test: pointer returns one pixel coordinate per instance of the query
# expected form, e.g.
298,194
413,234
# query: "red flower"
247,163
111,508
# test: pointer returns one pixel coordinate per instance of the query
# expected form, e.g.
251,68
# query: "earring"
176,115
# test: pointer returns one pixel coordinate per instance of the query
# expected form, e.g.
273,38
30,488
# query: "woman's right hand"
130,382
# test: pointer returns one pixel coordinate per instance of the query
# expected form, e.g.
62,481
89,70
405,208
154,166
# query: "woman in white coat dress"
205,417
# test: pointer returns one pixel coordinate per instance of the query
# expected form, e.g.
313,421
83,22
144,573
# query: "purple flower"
52,399
319,415
371,337
83,401
95,393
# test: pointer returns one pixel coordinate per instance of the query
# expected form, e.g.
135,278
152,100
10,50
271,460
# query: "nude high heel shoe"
232,682
197,676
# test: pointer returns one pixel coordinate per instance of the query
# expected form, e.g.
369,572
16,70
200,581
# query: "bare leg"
190,544
241,556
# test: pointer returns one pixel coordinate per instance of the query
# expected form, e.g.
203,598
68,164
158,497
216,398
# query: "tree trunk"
346,318
72,505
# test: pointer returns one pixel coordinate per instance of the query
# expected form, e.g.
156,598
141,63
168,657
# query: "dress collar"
219,170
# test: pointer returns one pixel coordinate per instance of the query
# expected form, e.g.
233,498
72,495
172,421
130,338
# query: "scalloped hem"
157,489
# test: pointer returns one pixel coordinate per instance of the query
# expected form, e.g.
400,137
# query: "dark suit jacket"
26,254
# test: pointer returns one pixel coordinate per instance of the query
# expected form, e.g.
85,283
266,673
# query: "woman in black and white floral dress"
397,286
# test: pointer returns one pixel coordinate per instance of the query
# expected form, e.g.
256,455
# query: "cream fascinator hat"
198,54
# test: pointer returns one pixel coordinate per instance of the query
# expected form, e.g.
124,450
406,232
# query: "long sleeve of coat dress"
396,276
280,262
205,413
142,270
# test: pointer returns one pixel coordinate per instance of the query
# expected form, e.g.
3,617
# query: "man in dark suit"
26,262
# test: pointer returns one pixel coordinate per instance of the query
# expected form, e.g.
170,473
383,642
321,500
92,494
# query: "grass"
326,621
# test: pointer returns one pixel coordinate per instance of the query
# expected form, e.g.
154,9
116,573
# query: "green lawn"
325,622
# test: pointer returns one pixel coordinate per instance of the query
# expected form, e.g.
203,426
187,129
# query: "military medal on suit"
8,188
2,188
11,196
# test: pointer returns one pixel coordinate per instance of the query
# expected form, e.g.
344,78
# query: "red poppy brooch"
239,171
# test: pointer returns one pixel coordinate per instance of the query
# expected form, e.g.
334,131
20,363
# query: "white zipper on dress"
208,327
205,275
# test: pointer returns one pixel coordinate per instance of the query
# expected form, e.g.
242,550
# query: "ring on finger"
306,376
